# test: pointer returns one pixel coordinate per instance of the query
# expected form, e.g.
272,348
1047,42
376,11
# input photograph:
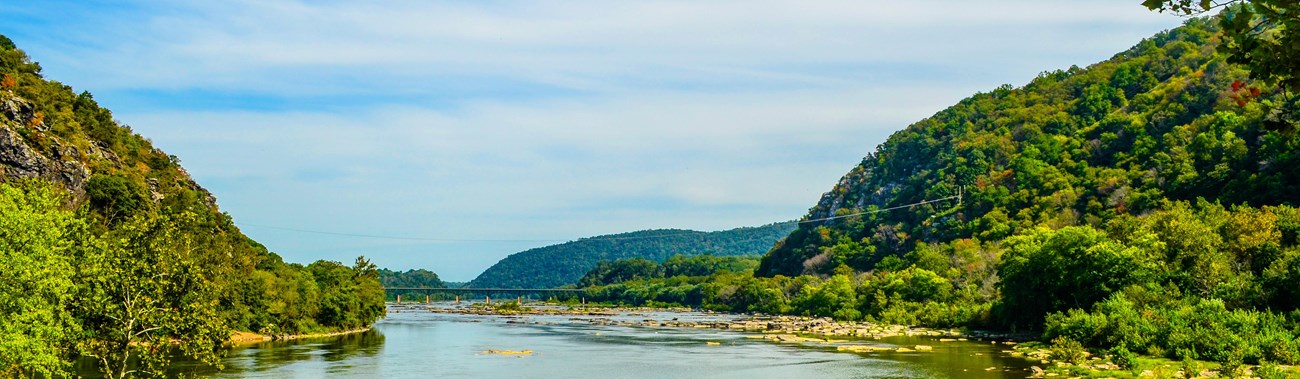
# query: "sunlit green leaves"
37,241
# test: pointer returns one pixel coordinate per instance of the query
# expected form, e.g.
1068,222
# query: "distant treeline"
415,278
564,264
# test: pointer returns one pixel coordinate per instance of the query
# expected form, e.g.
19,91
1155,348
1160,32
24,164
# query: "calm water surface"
412,343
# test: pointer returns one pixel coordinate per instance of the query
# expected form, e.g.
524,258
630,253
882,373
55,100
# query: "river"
413,343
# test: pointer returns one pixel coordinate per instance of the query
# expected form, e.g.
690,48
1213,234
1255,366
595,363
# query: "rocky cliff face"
59,163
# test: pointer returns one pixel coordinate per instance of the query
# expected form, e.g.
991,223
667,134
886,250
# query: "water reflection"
331,355
421,344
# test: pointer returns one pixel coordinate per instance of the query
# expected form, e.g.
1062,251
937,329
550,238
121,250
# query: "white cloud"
544,120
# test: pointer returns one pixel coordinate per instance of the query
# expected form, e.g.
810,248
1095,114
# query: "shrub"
1123,358
1270,370
1067,350
1075,324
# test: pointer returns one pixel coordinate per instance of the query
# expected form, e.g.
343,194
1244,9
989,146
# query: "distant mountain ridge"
563,264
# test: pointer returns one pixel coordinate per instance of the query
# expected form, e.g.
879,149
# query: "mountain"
1142,205
99,229
563,264
1168,120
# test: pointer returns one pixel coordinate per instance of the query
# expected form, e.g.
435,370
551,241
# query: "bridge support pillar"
426,299
399,299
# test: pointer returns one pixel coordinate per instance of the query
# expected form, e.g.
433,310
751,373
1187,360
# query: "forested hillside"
109,251
1145,204
414,278
563,264
1169,119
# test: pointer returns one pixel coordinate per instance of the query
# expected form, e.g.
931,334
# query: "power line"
923,202
958,196
397,237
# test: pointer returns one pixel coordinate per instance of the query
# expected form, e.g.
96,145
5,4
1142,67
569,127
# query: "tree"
835,297
115,197
1261,35
1075,267
621,270
36,236
143,299
350,297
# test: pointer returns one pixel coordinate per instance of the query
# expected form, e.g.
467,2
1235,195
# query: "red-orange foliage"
37,119
1242,94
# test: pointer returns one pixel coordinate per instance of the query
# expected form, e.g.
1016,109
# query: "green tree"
410,278
1071,268
835,297
143,299
621,270
350,297
115,197
36,280
704,265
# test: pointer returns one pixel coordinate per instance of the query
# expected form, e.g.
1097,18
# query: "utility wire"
396,237
609,238
879,210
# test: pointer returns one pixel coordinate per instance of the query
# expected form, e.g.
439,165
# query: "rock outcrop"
59,162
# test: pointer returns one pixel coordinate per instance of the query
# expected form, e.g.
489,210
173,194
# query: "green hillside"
110,249
563,264
1145,204
1156,123
1141,204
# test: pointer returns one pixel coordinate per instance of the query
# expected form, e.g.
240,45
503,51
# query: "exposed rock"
154,193
20,160
508,352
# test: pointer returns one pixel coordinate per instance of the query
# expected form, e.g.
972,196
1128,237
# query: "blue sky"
518,122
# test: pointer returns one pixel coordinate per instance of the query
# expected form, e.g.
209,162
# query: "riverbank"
824,327
1062,362
246,338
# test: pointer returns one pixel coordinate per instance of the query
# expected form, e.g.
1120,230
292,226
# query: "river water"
415,343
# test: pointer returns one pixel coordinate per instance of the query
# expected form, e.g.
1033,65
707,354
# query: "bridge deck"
473,290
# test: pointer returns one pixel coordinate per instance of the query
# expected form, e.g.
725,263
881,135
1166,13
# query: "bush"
113,196
1123,358
1077,325
1067,350
1270,370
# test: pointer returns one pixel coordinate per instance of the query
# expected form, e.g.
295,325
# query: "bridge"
487,293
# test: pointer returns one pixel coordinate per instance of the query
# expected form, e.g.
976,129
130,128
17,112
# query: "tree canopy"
1261,35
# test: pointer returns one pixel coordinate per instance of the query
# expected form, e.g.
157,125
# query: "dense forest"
564,264
1145,204
414,278
110,253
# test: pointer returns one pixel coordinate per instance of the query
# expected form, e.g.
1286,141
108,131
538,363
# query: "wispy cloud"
528,120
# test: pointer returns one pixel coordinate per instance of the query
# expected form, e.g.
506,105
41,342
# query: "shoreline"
758,323
240,338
